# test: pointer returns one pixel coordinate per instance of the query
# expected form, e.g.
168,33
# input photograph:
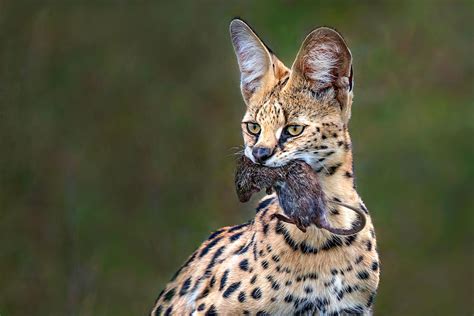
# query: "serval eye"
253,128
294,130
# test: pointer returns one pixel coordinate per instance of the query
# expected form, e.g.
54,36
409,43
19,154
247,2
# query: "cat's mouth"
272,162
299,193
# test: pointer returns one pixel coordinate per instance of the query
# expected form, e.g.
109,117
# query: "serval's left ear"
324,61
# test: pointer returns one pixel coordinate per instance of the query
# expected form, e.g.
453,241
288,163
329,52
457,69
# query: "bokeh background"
119,122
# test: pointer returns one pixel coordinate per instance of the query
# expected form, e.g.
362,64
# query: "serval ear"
259,68
324,61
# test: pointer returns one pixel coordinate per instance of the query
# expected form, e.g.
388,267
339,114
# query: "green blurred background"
119,122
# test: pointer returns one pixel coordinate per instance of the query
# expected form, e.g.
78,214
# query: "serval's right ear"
259,68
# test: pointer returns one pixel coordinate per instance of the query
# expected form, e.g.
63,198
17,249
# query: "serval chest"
266,267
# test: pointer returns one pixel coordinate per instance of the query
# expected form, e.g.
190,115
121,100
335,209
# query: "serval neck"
337,179
336,175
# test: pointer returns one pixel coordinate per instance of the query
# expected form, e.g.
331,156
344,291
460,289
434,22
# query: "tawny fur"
266,266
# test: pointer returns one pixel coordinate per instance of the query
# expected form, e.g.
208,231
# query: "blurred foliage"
119,122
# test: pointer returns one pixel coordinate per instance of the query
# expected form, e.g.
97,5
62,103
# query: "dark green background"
119,123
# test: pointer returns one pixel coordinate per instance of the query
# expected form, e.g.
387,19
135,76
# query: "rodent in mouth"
299,193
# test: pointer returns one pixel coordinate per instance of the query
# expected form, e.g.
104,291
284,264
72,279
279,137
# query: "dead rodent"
298,190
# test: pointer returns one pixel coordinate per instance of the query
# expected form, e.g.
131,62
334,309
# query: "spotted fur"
266,266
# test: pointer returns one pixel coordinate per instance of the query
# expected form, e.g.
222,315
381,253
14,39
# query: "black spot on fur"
362,206
253,279
332,170
214,234
269,248
211,311
213,261
358,310
348,289
256,293
204,293
237,227
359,259
209,246
168,311
244,265
244,248
255,251
371,299
363,275
350,239
369,245
185,287
279,229
334,211
265,264
201,307
231,289
372,233
224,279
235,236
241,297
275,284
265,228
159,295
327,284
169,295
334,242
375,266
340,295
264,203
198,281
158,310
307,249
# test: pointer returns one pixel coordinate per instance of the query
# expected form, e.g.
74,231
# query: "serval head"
300,112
